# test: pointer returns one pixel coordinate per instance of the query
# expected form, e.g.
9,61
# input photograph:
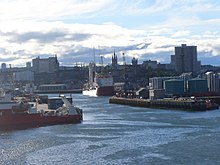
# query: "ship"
100,84
22,114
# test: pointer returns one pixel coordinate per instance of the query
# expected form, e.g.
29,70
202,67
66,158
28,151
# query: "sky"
76,30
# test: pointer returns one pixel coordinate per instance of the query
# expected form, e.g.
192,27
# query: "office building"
185,59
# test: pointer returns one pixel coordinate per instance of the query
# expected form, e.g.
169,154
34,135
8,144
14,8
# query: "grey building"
156,94
3,66
166,66
134,61
185,59
24,76
213,80
28,64
150,64
158,82
47,65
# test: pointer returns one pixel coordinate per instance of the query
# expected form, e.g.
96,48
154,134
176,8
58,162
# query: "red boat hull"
100,91
10,121
105,91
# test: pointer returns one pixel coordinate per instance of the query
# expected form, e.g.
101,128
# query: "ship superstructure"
100,84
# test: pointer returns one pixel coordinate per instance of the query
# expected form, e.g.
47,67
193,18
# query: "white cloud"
45,27
48,9
59,38
183,33
76,42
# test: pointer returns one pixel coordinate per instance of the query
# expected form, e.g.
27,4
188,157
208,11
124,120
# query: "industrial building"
197,86
174,87
46,65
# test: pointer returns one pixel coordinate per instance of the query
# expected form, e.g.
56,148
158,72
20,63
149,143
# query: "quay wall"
214,98
57,91
163,104
132,102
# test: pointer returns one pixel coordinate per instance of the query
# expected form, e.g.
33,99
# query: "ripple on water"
109,149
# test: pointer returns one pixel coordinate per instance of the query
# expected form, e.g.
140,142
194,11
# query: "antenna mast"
94,53
123,59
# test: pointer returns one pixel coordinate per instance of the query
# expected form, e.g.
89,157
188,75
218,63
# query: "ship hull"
90,92
11,121
100,91
105,91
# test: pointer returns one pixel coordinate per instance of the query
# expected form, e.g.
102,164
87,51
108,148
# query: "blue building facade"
174,87
197,86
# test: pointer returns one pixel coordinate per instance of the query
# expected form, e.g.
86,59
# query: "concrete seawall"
58,91
131,102
187,104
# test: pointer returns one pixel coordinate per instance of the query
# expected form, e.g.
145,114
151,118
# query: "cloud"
184,33
48,9
45,37
75,42
65,39
3,51
72,28
38,36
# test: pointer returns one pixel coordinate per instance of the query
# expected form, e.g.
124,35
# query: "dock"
58,91
181,104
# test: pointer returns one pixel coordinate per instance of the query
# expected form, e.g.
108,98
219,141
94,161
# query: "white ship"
100,84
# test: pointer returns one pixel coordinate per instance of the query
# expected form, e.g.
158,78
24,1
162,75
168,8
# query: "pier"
214,98
58,91
181,104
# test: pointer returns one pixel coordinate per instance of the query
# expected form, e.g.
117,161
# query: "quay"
55,89
58,91
169,103
214,98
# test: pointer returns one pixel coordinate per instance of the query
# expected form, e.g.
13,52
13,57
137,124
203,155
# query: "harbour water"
116,134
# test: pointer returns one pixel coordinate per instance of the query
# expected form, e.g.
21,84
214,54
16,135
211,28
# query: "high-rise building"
185,59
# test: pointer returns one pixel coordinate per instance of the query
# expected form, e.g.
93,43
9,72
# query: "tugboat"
22,115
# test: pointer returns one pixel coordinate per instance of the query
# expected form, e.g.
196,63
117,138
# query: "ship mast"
124,64
94,54
101,57
125,74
